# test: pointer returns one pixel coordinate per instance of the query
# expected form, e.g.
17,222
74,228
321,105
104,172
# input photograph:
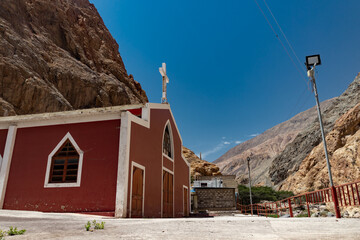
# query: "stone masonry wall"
215,198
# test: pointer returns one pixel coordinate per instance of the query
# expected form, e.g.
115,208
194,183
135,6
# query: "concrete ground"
71,226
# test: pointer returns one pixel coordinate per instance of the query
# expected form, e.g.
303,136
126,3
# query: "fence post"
307,204
265,210
290,208
336,203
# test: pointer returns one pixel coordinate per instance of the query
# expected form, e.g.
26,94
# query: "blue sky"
230,78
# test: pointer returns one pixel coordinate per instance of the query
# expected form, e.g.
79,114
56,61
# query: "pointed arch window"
64,164
167,142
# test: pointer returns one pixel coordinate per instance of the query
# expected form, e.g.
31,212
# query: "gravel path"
71,226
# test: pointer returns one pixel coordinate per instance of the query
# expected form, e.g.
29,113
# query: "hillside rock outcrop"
288,161
343,144
199,167
58,55
264,148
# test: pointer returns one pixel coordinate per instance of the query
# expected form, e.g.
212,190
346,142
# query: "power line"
282,32
282,44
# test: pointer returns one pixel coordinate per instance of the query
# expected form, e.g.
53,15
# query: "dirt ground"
72,226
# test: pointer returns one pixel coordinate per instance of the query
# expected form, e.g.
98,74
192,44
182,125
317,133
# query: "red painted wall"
146,149
100,143
3,135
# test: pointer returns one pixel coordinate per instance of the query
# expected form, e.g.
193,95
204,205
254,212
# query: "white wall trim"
187,199
5,167
168,124
123,166
47,184
168,170
67,117
0,161
134,164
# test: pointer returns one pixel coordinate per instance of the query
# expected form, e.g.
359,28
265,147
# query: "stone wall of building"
214,199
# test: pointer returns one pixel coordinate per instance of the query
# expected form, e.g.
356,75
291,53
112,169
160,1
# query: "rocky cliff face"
199,167
343,144
264,148
288,161
58,55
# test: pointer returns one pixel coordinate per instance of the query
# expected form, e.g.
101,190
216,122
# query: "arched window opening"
65,164
167,143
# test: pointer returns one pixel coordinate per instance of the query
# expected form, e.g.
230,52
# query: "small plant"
88,226
13,231
95,224
98,225
2,234
273,215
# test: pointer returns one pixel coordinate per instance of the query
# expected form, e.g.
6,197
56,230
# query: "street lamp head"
312,60
248,159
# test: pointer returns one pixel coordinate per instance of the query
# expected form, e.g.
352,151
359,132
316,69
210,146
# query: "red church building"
124,161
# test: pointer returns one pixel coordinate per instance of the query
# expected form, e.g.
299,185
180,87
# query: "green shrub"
273,215
13,231
261,193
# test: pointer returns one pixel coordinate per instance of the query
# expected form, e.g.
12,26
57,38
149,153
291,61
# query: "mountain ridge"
264,148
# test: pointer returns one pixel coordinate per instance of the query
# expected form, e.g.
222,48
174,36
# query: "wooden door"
167,194
137,192
186,197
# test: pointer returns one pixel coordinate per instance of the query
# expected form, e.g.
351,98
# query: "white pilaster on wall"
123,166
6,162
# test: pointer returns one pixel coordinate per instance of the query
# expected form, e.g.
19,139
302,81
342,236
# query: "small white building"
215,182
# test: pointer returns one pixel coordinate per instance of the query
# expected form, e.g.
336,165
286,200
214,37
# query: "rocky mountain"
199,167
263,148
278,152
289,160
343,144
58,55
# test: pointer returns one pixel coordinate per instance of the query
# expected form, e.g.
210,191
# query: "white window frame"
134,164
171,140
47,184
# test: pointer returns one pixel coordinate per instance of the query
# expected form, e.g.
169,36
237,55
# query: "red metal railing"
342,196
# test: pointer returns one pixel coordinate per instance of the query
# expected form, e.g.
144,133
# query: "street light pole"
248,160
311,75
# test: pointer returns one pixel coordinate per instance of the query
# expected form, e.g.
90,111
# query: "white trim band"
5,167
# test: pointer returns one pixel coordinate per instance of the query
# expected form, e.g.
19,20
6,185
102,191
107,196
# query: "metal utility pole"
248,160
313,61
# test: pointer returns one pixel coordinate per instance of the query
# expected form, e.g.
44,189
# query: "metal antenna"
165,80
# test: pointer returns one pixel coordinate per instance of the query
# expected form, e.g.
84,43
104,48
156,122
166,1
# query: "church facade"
124,161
